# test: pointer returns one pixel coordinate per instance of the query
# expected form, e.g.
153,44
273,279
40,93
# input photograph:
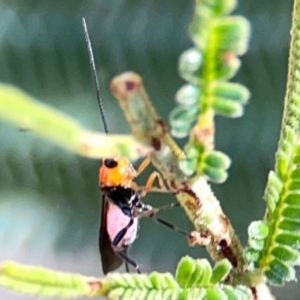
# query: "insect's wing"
110,260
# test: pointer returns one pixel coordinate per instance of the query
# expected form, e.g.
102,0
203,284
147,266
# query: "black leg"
171,226
149,211
128,261
121,233
122,253
153,211
126,267
168,206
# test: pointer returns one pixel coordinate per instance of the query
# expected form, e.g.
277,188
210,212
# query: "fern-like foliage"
22,110
219,39
275,241
195,279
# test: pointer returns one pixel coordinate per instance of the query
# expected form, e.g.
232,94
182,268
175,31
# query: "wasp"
121,198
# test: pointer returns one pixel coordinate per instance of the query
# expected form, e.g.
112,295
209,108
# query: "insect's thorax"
124,198
127,199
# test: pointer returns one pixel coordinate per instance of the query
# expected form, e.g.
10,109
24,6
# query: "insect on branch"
195,196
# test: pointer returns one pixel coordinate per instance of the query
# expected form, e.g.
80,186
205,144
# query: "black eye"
110,163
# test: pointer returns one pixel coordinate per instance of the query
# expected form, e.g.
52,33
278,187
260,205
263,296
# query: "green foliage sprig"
195,279
275,241
25,112
219,39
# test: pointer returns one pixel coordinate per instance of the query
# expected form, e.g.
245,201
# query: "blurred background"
49,198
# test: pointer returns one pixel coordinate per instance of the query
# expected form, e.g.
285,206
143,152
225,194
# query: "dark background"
49,198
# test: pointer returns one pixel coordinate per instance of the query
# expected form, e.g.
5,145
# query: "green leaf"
206,274
188,166
295,175
258,230
220,7
230,293
290,225
215,293
181,119
217,159
140,286
230,91
292,199
19,108
294,186
188,95
289,239
214,174
226,66
282,271
244,293
185,268
286,254
232,34
25,112
197,274
292,212
190,63
191,294
252,254
42,282
220,271
227,108
256,244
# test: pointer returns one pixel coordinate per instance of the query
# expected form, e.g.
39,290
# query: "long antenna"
94,73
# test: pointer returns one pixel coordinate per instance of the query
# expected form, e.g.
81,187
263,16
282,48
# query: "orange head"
116,171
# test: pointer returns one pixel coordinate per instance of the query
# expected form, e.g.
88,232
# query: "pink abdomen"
116,221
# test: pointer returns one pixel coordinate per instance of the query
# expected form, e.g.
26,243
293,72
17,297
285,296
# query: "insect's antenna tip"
94,73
